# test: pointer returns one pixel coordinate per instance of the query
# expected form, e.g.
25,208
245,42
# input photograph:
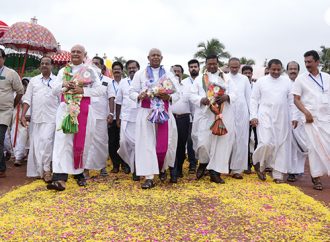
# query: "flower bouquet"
159,107
214,91
82,78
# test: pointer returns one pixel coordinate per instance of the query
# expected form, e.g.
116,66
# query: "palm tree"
245,61
212,47
325,59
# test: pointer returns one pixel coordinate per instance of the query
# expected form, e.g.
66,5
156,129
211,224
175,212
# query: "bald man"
156,143
70,147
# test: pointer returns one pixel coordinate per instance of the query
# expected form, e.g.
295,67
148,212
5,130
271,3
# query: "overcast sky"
256,29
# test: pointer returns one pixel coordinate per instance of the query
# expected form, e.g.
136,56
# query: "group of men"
289,119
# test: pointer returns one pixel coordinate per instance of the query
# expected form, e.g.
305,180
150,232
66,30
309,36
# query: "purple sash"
161,135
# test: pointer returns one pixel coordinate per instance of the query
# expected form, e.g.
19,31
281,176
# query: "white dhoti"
145,146
41,148
22,141
63,146
298,150
97,141
127,143
318,136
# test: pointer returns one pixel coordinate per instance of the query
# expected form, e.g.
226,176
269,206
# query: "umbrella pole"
24,62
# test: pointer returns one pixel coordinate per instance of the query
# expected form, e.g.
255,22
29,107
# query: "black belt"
181,115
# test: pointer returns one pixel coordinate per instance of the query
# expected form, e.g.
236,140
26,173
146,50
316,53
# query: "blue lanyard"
101,77
191,80
2,70
43,81
113,84
321,86
129,81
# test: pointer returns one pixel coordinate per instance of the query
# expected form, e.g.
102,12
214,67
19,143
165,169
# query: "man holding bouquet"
76,83
153,89
213,126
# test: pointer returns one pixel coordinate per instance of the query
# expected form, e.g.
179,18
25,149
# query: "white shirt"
113,91
129,108
189,82
315,100
101,104
182,106
43,103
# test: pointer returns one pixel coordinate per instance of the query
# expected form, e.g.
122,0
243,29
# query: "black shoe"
248,171
148,184
162,176
261,175
55,185
215,177
82,182
115,170
135,177
192,170
291,178
126,169
201,170
180,174
174,178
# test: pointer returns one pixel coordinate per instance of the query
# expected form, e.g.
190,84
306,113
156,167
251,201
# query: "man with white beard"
312,97
242,118
98,152
213,150
43,104
77,82
271,101
156,142
126,111
299,149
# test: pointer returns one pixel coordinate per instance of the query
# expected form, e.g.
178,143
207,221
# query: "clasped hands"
73,87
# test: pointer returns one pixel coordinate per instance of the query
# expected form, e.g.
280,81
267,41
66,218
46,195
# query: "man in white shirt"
98,152
242,117
271,101
43,104
126,111
113,128
298,143
312,97
181,113
156,143
213,150
193,66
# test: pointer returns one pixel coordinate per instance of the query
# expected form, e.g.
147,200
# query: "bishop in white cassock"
242,119
213,151
148,161
270,113
312,96
126,111
68,158
43,104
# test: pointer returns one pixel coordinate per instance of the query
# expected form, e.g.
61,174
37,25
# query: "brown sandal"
56,185
317,184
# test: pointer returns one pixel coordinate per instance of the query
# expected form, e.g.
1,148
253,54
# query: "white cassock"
128,114
22,136
97,137
63,144
145,133
271,103
212,149
298,144
239,157
317,101
43,105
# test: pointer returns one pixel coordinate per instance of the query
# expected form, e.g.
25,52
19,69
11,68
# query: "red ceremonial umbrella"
29,37
62,57
3,28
